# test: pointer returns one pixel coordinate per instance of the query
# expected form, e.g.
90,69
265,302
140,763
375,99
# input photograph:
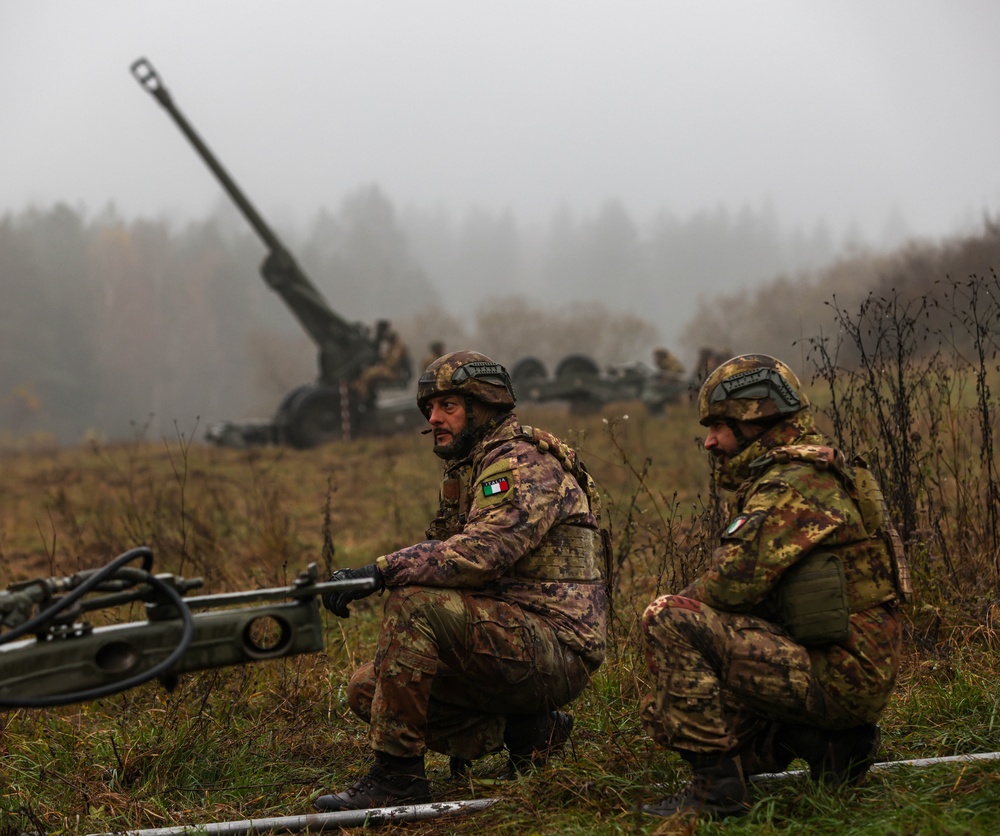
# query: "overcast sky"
845,111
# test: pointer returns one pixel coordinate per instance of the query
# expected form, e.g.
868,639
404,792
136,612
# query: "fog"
861,115
655,152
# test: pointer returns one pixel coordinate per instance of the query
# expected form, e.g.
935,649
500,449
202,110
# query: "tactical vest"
571,553
875,569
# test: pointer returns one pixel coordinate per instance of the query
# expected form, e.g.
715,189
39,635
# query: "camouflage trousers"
450,665
718,675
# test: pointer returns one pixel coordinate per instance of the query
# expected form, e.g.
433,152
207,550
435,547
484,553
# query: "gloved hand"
338,600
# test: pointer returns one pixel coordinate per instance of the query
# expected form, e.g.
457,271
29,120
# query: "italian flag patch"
495,486
737,524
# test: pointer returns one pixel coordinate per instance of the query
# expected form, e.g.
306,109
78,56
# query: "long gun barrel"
345,348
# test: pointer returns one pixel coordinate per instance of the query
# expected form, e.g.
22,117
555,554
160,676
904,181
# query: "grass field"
263,740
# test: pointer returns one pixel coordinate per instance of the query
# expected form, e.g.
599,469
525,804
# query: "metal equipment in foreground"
318,822
330,408
70,661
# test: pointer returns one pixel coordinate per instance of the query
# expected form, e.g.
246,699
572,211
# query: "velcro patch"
496,485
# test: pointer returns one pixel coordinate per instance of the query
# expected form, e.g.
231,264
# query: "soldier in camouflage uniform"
668,367
435,349
499,617
393,366
789,645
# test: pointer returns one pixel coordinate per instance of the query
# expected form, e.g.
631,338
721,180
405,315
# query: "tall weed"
911,391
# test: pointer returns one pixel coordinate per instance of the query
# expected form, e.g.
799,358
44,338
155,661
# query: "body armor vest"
571,553
874,568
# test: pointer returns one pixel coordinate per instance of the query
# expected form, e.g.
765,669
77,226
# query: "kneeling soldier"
789,645
498,619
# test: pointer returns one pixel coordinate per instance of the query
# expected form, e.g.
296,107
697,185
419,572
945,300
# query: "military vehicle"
580,381
329,408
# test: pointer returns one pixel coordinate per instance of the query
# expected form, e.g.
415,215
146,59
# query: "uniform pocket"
508,643
770,671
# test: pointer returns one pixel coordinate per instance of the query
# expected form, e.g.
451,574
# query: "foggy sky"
848,112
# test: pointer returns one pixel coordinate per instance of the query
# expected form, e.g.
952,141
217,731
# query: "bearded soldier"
789,644
497,619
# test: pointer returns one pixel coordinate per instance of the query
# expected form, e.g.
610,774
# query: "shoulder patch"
737,524
495,484
743,527
494,489
501,467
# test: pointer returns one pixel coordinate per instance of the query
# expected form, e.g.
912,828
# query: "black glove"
338,600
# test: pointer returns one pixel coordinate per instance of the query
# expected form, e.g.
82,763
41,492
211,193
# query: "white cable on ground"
982,756
317,822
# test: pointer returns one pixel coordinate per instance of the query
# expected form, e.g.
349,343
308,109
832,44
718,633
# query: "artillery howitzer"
330,408
70,661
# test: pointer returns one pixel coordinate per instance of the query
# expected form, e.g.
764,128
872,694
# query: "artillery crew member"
668,367
393,365
789,644
435,349
498,619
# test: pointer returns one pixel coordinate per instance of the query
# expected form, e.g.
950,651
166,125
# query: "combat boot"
835,756
764,750
459,768
390,781
531,739
716,789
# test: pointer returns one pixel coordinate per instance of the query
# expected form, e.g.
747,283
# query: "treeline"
658,268
789,314
118,328
115,328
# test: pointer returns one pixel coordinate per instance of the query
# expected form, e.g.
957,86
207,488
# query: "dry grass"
262,740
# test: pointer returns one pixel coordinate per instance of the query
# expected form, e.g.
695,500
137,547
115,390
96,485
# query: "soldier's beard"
484,419
461,445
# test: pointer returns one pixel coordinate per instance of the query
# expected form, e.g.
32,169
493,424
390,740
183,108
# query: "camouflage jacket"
784,508
514,523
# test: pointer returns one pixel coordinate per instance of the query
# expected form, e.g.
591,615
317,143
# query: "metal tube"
318,822
981,756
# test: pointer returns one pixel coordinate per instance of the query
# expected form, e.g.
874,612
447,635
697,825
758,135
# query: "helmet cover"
756,388
467,373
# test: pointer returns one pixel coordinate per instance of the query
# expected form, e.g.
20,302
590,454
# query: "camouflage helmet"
468,373
755,388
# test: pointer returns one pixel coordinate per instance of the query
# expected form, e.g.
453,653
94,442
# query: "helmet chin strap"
742,440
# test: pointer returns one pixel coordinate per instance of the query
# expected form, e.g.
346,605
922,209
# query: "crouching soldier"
789,645
495,621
